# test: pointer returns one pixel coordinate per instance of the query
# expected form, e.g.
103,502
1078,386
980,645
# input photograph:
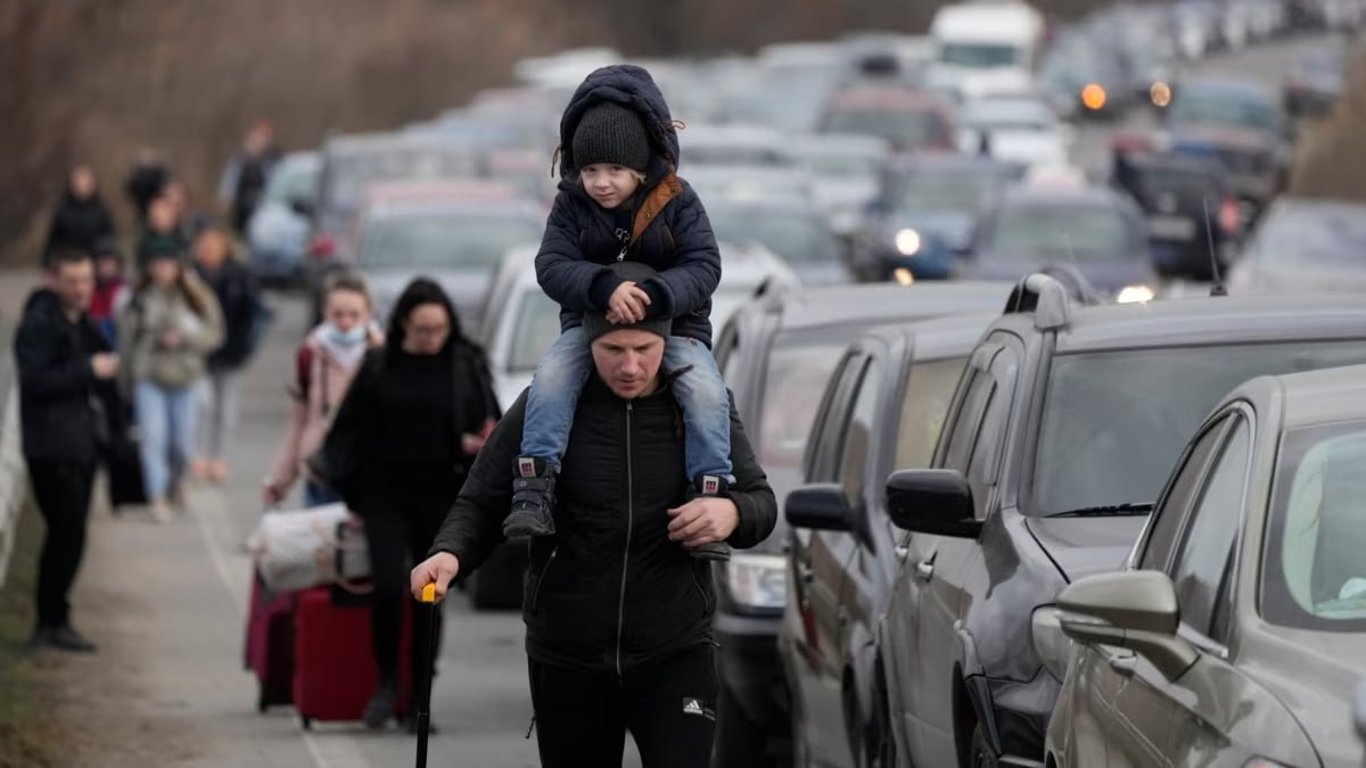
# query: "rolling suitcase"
334,665
270,645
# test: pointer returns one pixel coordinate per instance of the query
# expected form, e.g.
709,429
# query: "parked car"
795,230
776,354
1018,129
912,121
454,233
925,214
1061,432
732,146
1302,245
1235,634
1096,232
350,165
846,171
882,409
277,235
1085,80
1193,214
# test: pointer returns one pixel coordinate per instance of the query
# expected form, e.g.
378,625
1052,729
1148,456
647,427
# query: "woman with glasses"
398,451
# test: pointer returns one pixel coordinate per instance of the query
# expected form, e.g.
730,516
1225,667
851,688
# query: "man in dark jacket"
618,615
81,221
247,173
145,181
64,368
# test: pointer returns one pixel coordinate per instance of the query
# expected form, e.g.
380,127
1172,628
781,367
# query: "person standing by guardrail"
65,365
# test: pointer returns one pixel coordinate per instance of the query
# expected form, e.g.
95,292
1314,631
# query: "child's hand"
627,304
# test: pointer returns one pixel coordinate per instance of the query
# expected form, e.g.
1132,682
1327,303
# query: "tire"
740,743
980,754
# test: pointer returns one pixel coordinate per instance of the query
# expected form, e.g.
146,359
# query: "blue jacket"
670,230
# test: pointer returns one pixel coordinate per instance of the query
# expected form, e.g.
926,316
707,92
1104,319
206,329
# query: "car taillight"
1230,217
322,247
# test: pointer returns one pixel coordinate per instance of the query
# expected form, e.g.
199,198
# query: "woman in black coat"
398,452
81,221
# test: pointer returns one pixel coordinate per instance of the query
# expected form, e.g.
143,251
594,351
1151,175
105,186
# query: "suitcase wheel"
307,722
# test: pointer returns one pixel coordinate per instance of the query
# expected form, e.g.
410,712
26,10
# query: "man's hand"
439,569
703,520
627,304
105,366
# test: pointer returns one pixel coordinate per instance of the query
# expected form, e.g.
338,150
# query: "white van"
985,48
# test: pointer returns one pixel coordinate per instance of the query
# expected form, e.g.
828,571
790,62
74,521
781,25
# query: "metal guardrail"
13,478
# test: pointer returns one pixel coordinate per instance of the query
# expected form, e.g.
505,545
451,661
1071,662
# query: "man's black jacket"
609,591
57,389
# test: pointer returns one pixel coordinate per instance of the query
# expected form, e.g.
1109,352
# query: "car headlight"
757,581
908,242
1134,294
1053,647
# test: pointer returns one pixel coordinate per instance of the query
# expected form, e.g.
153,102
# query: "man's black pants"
62,492
669,707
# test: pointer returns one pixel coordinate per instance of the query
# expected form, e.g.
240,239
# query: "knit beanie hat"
595,324
613,134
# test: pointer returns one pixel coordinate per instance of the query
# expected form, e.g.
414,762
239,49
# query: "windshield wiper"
1116,510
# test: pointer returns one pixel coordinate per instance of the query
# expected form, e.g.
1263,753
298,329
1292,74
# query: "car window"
535,327
798,370
827,432
443,240
929,392
968,420
1074,232
1205,560
858,434
982,466
1314,575
1171,515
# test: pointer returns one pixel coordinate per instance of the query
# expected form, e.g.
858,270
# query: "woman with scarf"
324,367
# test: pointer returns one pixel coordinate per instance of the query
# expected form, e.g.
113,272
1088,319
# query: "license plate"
1171,228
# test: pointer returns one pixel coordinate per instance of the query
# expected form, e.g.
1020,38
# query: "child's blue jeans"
700,391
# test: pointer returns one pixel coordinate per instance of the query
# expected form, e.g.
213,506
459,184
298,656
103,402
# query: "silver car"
1237,635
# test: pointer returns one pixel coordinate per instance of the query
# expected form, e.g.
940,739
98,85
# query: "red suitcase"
270,645
334,666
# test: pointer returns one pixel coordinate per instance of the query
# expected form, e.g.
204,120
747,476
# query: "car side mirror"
819,506
302,207
1137,610
933,501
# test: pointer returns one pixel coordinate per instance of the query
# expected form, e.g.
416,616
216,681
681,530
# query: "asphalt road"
480,701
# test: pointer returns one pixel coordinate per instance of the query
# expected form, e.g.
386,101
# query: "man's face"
74,282
628,360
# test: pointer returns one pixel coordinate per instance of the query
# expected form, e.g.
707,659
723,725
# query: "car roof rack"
1045,297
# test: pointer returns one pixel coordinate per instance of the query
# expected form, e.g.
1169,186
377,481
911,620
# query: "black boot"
67,638
381,705
533,500
702,486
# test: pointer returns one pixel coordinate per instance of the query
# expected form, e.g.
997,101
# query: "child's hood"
633,87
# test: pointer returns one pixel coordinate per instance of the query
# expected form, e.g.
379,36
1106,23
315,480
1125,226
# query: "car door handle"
1123,665
924,570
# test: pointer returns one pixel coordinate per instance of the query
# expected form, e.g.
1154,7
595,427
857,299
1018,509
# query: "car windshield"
956,191
798,369
978,55
1328,235
1314,575
535,326
843,164
293,181
1220,109
349,175
443,240
906,128
798,237
1081,232
1113,422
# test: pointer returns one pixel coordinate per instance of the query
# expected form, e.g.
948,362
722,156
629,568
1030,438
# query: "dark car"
1096,231
777,355
1086,80
1314,83
925,213
1193,215
1061,434
882,409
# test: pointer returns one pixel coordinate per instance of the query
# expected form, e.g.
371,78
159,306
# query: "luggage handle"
332,564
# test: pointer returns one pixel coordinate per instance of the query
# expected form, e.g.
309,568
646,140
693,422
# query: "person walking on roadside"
81,220
248,172
239,298
65,365
165,231
169,328
145,181
618,615
324,366
398,452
